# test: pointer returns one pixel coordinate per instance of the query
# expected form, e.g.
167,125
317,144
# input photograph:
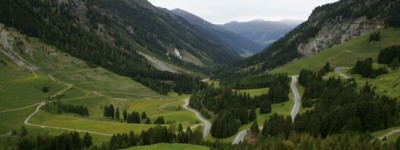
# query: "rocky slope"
328,25
128,25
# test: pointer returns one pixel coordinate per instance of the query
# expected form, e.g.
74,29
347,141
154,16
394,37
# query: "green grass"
344,55
255,92
163,146
13,120
92,87
387,84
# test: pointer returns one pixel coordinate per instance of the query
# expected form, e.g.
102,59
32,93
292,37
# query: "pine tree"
117,113
254,129
398,143
125,114
144,116
395,64
180,128
87,140
326,68
252,114
24,132
111,111
265,107
148,121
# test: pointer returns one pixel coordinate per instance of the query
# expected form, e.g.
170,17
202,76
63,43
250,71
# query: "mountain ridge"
328,25
261,31
241,45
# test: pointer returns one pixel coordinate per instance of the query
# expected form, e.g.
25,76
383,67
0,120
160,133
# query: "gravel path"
26,122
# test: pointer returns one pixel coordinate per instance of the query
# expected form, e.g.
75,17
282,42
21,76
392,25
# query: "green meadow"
77,83
344,55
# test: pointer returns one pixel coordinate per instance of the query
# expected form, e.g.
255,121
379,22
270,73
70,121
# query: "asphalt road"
338,71
240,136
206,123
297,98
387,135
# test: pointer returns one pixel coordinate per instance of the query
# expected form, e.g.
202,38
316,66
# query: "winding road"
295,110
206,123
338,71
297,98
240,136
26,122
387,135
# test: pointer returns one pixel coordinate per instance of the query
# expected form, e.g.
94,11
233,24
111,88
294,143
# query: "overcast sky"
223,11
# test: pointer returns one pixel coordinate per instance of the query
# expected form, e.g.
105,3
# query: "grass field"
344,55
92,87
163,146
255,92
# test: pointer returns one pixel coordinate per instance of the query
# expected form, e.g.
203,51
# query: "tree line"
154,135
388,55
134,117
65,141
340,106
58,107
366,70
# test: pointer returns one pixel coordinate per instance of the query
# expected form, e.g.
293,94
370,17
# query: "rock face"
337,31
328,25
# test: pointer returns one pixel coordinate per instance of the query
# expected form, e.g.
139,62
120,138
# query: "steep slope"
328,25
110,33
241,45
262,32
344,55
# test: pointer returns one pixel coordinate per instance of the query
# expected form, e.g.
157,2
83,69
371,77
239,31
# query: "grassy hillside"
346,54
77,83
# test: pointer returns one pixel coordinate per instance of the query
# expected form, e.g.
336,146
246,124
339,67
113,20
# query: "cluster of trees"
159,120
225,125
133,117
66,141
342,107
234,109
365,69
252,82
313,81
388,55
304,141
375,37
109,112
58,107
344,114
157,134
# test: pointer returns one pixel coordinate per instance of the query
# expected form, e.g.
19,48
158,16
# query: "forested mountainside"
110,33
328,25
241,45
260,31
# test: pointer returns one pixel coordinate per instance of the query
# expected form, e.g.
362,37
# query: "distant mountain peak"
239,44
261,31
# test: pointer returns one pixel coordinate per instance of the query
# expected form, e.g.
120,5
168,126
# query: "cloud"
222,11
